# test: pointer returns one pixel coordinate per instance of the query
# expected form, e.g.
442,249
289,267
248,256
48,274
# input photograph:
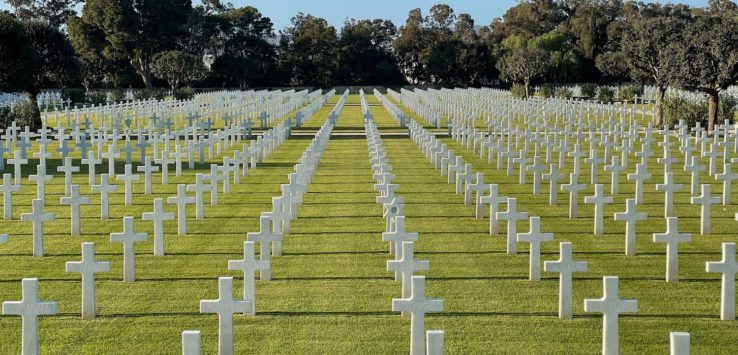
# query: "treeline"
122,43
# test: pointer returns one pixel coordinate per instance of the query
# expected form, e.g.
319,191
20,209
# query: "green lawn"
331,292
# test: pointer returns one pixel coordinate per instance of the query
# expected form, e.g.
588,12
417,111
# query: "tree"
34,55
135,30
464,29
55,12
411,47
178,68
17,59
523,64
645,43
308,50
707,59
365,53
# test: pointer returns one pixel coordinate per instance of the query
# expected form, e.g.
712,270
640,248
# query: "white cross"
129,237
249,265
573,187
88,267
38,217
630,217
494,200
397,236
29,308
669,187
705,200
199,188
225,307
7,189
91,161
417,305
164,163
214,177
611,306
594,162
265,237
111,155
728,267
158,217
478,187
553,176
128,178
68,169
694,168
147,169
614,168
512,216
599,200
535,238
537,168
181,200
105,188
40,178
75,201
727,177
406,265
565,266
641,174
17,163
672,238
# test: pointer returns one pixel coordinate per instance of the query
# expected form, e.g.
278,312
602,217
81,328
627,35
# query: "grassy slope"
331,292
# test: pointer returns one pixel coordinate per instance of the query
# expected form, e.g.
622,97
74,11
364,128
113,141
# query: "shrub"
588,89
629,92
726,110
563,93
74,95
606,95
547,90
677,108
184,93
518,90
24,113
116,95
96,97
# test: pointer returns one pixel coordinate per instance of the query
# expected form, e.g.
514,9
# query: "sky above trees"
335,11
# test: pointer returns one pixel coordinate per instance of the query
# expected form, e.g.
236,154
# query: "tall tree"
365,53
137,29
55,12
308,50
522,65
17,59
178,68
645,44
707,59
411,47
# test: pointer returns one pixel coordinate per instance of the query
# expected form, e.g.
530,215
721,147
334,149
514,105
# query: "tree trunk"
660,93
527,88
142,68
713,102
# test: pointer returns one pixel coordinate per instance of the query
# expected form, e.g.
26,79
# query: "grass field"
331,292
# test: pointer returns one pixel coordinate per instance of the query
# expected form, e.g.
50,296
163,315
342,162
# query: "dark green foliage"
24,113
96,97
588,89
547,90
184,94
629,92
606,94
518,91
677,108
562,93
74,95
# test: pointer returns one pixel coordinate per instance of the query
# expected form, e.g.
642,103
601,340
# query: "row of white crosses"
30,307
273,226
610,304
413,302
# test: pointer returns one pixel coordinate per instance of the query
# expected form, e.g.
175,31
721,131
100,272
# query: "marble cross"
512,216
705,200
88,267
553,176
565,266
128,237
599,200
249,265
611,306
265,237
535,237
728,267
669,187
29,308
494,200
672,238
225,307
8,188
630,217
573,187
158,217
128,177
75,201
418,306
199,188
406,265
105,188
147,169
38,217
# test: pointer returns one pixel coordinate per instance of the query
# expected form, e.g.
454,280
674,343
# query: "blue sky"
335,11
